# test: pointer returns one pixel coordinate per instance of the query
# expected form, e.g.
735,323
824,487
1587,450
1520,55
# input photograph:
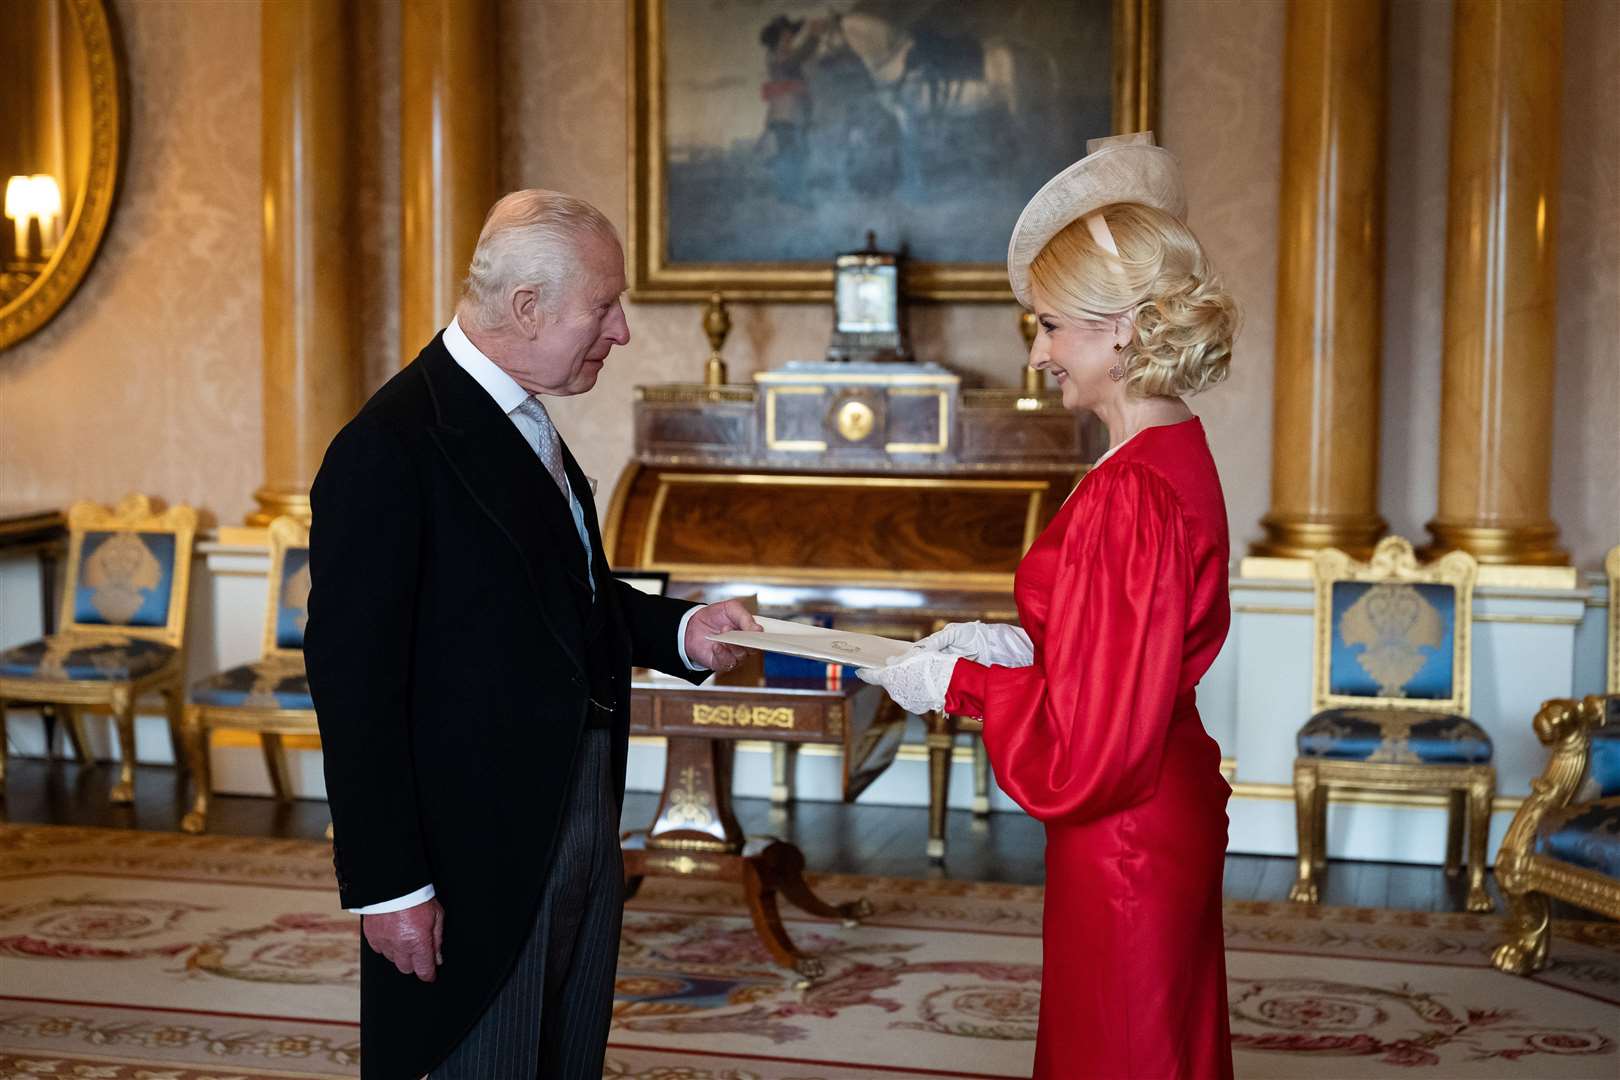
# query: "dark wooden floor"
856,839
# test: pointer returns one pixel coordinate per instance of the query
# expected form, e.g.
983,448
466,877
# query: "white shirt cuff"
399,903
680,641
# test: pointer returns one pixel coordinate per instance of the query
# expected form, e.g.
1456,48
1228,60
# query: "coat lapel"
506,479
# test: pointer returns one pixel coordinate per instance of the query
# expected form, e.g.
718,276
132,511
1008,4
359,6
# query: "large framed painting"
767,136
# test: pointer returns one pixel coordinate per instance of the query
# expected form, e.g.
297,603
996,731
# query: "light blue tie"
550,446
549,449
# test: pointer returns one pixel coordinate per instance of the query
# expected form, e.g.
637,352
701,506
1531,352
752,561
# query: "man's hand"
412,939
717,619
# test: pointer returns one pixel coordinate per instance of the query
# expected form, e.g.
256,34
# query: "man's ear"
526,313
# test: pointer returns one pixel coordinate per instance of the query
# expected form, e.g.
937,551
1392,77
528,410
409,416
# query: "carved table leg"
783,864
761,896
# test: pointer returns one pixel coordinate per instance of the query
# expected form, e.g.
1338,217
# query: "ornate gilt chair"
1565,840
122,627
1390,687
269,696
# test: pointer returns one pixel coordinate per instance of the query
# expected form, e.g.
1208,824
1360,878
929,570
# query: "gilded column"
1324,442
311,364
448,155
1500,338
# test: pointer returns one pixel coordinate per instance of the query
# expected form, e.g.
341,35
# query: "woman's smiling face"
1077,351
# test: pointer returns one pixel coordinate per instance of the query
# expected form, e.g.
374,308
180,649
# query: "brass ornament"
689,804
717,325
855,420
760,716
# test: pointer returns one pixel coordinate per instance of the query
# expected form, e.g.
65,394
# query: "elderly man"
469,652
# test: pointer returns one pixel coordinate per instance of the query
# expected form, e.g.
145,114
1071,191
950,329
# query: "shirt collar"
496,383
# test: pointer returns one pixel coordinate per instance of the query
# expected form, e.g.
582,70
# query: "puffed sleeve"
1080,733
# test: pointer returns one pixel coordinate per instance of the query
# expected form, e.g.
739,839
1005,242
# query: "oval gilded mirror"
61,134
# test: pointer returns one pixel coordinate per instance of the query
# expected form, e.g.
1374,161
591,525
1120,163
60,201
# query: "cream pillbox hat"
1118,169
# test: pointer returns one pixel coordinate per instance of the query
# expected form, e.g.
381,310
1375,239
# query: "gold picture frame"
654,276
86,222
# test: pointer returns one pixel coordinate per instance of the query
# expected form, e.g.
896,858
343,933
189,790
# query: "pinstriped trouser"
551,1017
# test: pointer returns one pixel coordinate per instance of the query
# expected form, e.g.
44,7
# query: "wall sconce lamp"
30,197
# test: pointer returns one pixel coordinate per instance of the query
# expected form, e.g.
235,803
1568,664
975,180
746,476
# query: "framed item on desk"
651,582
769,135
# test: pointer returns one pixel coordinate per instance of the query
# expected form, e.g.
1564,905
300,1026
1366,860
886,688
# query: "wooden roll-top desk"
884,497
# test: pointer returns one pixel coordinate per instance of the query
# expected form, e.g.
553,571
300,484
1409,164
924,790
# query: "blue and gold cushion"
1392,640
1394,736
124,579
68,656
292,601
1586,835
273,683
1603,770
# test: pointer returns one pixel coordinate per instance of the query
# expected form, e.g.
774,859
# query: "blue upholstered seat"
1604,767
64,657
1394,736
1587,834
264,684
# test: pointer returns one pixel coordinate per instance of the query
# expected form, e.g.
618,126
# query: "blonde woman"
1089,713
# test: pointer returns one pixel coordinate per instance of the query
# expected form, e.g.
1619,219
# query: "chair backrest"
1390,633
129,569
1611,566
288,610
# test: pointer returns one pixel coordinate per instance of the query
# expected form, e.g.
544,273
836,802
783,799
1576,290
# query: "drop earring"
1116,372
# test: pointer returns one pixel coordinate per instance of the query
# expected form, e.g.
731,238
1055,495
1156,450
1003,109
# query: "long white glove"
988,643
916,679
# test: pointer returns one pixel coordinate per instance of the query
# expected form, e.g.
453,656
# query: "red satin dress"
1124,596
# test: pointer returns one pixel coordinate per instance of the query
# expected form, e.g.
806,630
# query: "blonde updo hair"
1184,318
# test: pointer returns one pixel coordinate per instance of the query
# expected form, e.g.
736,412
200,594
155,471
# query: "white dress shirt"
508,395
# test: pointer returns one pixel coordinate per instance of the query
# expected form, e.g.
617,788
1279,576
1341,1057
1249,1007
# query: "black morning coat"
445,645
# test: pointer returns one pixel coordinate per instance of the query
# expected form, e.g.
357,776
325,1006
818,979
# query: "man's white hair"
530,238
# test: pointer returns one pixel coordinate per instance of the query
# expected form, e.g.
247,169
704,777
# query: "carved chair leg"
981,779
941,744
174,705
275,760
1305,807
1456,812
1319,840
202,772
783,758
1480,794
123,710
1526,951
73,724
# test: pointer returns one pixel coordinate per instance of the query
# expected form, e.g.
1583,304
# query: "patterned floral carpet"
157,956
